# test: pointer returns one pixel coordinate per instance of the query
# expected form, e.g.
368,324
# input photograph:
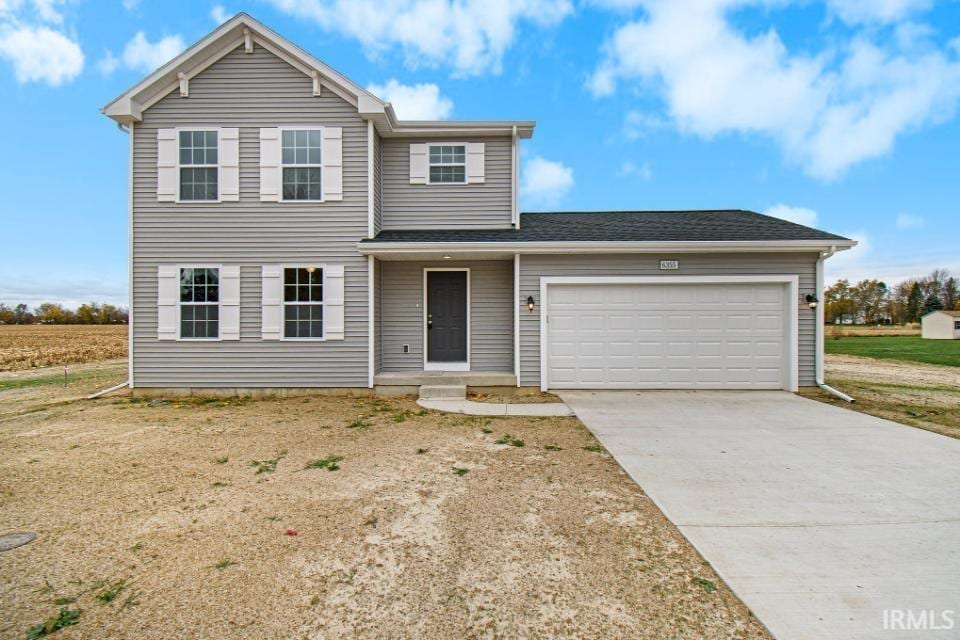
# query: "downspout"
819,331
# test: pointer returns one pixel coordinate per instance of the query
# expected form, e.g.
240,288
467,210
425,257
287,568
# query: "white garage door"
667,336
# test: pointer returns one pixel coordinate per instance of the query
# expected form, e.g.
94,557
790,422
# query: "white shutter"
333,302
270,164
168,281
332,155
271,307
229,164
475,163
230,302
418,164
166,165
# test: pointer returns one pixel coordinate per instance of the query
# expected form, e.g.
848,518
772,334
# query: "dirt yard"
39,345
328,518
916,394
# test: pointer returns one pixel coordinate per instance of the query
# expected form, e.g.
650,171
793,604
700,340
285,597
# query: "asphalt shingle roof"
627,226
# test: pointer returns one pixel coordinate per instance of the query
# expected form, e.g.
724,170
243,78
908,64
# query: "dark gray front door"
446,316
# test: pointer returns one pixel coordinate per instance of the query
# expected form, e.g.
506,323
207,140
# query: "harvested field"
833,330
328,517
30,346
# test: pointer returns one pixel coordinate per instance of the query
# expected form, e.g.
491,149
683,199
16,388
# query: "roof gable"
241,30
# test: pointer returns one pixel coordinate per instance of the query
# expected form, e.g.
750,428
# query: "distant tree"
6,314
870,300
914,303
52,313
951,292
22,315
932,303
838,301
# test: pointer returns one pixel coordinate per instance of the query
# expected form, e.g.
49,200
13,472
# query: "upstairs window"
198,166
448,164
956,325
199,303
303,302
301,164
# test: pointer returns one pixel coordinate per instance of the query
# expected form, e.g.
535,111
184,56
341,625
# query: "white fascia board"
748,246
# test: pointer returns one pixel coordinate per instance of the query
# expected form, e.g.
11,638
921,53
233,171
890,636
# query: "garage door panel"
666,336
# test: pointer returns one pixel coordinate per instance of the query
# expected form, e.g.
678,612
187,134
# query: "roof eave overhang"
406,248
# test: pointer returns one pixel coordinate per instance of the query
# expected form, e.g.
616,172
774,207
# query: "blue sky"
841,113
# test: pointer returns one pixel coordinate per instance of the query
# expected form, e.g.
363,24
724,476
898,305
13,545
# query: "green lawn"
911,348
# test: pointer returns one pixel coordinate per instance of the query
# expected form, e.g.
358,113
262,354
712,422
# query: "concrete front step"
443,392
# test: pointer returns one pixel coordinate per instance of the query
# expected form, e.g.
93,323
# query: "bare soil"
42,345
920,395
154,522
521,397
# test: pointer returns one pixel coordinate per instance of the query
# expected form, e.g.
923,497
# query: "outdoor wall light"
530,303
812,301
446,257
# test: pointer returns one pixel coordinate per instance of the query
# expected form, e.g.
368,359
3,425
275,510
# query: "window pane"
213,294
185,156
289,191
212,139
314,155
288,155
288,139
316,293
184,139
211,157
186,328
212,275
315,139
186,312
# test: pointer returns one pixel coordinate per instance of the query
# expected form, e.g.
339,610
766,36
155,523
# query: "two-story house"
288,231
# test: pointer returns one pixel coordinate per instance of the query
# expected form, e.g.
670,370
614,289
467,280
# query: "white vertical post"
516,317
371,324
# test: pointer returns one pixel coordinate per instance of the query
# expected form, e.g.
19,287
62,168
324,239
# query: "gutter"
400,248
819,332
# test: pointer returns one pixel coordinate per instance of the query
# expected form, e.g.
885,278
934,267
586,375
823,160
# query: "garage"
669,333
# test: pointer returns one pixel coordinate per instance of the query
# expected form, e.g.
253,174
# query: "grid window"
448,164
198,165
199,303
301,160
302,302
956,325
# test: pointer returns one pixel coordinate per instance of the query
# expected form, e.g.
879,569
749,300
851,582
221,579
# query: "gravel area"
367,519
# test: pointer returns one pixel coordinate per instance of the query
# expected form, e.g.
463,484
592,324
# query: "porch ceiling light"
530,304
812,301
446,257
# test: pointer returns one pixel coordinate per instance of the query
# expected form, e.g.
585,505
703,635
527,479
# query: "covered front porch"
447,319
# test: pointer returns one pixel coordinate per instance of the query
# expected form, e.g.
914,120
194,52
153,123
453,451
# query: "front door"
446,316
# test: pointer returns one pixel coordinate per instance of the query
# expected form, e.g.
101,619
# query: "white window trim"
448,164
199,166
219,268
283,166
791,282
284,303
445,366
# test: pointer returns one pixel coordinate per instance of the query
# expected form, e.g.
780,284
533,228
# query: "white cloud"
909,221
71,291
637,124
643,171
218,14
469,36
545,181
854,263
828,111
142,55
130,5
800,215
414,101
40,54
876,11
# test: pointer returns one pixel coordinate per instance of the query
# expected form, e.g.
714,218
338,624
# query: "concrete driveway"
819,518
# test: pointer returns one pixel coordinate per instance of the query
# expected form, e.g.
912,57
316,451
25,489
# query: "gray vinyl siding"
491,314
464,206
377,183
532,268
250,91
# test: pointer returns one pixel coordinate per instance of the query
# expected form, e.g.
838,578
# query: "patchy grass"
907,348
510,440
110,593
63,619
388,534
267,466
330,463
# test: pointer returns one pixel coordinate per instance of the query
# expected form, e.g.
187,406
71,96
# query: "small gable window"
448,164
199,303
198,163
302,164
303,302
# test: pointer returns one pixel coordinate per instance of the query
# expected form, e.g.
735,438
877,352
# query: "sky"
841,114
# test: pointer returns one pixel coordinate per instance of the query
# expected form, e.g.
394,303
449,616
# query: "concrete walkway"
471,408
827,523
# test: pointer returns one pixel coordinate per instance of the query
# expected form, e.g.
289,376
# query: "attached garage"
666,332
